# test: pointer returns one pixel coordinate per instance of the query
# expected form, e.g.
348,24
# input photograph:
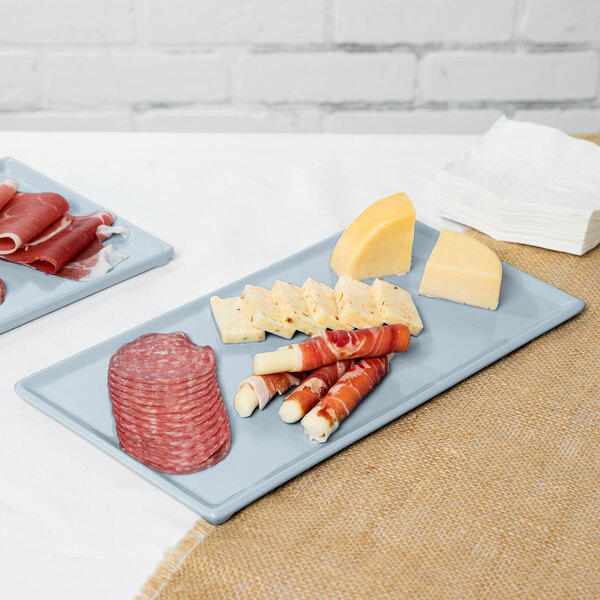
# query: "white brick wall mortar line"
140,45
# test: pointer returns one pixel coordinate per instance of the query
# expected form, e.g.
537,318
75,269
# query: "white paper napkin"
527,183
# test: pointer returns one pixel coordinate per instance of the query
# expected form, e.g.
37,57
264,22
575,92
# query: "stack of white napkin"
527,183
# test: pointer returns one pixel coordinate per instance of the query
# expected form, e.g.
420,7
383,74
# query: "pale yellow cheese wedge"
292,307
232,318
264,313
462,269
320,300
355,303
396,305
378,242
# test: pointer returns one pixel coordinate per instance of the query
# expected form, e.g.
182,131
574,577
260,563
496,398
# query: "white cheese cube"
232,318
320,299
292,307
264,313
396,305
355,303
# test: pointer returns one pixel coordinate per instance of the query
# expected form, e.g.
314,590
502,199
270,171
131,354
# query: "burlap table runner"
490,490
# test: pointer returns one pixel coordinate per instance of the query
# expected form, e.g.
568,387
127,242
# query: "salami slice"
167,405
163,359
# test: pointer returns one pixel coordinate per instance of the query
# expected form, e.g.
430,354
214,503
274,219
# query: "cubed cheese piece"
320,299
264,313
396,305
379,241
355,303
233,321
462,269
292,307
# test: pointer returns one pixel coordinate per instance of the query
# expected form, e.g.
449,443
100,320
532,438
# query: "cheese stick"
328,347
343,397
311,390
258,390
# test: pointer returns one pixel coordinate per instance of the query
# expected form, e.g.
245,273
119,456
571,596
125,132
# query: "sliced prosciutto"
26,216
258,390
311,390
2,291
54,247
8,187
343,398
328,347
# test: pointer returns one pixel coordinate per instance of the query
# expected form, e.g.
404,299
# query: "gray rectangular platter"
456,341
31,294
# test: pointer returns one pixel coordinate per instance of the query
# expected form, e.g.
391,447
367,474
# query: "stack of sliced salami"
167,403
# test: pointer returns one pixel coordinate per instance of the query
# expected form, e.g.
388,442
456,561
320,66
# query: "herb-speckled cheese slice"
355,303
396,305
320,299
232,318
292,307
264,313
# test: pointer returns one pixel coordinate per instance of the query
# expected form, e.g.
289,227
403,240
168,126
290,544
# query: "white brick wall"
299,66
423,21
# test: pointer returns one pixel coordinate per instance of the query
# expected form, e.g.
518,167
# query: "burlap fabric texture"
489,491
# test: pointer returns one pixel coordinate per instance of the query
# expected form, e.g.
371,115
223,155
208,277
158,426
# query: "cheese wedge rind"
396,305
378,242
462,269
233,321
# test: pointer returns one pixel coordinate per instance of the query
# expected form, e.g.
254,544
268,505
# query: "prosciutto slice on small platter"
54,247
8,188
25,216
37,230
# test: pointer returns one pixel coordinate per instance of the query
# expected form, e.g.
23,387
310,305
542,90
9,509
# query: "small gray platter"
31,294
456,341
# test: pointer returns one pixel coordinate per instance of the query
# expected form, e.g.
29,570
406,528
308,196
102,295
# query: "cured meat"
26,216
2,291
54,247
8,187
167,405
259,390
163,359
343,397
38,231
328,347
311,390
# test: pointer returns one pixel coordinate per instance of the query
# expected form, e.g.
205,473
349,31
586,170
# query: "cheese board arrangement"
359,329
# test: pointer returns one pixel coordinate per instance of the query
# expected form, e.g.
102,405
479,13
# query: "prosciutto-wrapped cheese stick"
343,397
259,390
328,347
311,390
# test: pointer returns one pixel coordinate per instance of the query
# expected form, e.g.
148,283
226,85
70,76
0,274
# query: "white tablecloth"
74,522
